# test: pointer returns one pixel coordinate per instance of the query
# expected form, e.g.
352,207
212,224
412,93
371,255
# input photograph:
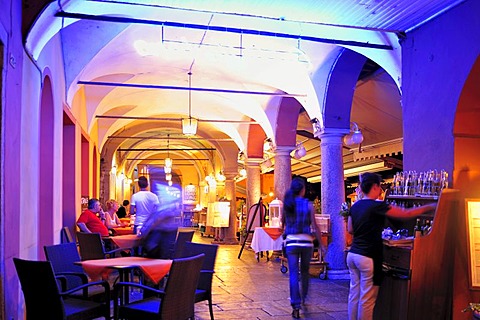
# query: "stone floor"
246,289
249,289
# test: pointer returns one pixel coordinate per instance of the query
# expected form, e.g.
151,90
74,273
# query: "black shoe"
296,313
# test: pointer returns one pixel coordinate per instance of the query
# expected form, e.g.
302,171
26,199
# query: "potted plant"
475,308
345,210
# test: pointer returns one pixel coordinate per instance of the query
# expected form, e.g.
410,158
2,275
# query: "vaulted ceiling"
130,61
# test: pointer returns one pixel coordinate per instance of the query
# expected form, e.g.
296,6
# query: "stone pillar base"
225,241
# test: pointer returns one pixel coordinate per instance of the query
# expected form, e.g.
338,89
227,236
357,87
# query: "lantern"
275,213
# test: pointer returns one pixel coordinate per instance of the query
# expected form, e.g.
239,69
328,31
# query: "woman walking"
298,221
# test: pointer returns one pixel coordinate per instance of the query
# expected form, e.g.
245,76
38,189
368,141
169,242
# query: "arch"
466,176
95,174
46,151
340,87
68,172
85,156
287,119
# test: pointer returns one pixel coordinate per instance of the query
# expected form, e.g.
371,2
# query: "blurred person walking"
143,204
298,221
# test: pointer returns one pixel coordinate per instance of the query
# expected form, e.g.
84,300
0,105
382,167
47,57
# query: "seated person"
122,211
89,222
111,219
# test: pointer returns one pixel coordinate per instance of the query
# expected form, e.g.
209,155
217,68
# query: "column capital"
332,135
334,132
230,175
283,150
253,162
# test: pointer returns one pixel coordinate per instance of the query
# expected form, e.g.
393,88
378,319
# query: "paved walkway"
246,289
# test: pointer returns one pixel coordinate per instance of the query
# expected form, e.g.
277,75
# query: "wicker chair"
63,257
175,302
66,235
204,288
183,236
44,300
92,248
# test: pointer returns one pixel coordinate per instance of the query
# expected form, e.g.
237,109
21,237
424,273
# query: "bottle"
426,228
417,229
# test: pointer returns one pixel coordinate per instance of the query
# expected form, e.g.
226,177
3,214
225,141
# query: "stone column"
253,181
230,232
333,194
283,171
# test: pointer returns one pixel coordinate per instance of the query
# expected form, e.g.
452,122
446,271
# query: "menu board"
218,214
473,220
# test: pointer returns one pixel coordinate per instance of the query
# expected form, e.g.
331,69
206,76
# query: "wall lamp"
268,145
355,136
300,151
316,127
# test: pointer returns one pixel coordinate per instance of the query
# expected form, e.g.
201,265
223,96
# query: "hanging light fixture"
300,151
168,160
168,177
189,125
170,183
355,136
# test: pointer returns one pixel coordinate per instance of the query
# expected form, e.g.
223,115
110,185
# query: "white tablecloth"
262,241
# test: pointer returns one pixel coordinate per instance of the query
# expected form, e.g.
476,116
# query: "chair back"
183,236
210,251
66,235
62,257
91,246
179,299
40,289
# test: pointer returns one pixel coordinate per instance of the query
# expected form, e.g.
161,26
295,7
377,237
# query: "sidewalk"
246,289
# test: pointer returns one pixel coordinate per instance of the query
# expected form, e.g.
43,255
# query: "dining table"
153,269
126,241
266,239
123,230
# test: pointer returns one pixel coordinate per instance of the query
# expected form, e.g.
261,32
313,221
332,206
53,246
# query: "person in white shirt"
143,204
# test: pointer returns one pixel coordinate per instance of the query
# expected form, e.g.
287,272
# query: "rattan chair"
175,302
63,257
44,300
204,288
183,236
66,235
92,247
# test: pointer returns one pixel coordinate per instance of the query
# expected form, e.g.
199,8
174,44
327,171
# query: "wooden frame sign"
473,226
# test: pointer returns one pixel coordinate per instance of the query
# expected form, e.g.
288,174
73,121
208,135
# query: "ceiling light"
189,126
167,169
168,160
168,176
170,183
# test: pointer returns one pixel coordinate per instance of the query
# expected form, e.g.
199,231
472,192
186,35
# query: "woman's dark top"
368,220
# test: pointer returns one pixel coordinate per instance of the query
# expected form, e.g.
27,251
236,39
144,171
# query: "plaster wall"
11,91
437,58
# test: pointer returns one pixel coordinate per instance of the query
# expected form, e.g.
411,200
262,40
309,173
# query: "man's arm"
83,227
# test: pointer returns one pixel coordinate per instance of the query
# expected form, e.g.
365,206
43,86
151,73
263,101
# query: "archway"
45,232
466,178
68,168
